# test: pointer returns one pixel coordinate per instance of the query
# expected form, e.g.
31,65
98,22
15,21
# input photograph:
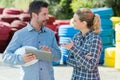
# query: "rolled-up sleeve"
56,50
79,60
9,56
71,60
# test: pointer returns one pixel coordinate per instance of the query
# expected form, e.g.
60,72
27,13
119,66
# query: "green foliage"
65,10
76,4
61,9
53,7
6,3
22,4
115,4
98,3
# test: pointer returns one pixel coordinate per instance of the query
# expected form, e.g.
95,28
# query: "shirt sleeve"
81,60
55,50
71,60
9,56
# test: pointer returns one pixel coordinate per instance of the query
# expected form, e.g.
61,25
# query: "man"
35,34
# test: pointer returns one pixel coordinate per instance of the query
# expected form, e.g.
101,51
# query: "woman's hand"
88,56
68,45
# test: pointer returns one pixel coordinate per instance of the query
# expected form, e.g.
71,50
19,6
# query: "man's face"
42,17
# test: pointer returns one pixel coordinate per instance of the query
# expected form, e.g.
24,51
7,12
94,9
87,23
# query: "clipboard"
40,55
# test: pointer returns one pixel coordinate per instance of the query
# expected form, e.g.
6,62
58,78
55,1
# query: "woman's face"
77,23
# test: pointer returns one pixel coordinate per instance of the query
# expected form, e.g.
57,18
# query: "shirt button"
40,68
39,42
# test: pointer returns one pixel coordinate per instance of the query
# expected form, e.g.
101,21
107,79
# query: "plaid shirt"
84,68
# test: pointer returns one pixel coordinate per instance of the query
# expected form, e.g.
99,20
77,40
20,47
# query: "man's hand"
29,57
45,48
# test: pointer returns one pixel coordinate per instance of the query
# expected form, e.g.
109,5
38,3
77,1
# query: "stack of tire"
66,32
117,56
110,56
61,22
107,32
58,23
4,35
50,25
50,22
10,14
16,25
115,20
1,10
12,19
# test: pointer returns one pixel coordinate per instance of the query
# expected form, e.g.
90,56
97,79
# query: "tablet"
40,55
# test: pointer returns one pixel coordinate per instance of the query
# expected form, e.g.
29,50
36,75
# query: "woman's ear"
84,23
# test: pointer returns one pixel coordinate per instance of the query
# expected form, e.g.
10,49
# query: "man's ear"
34,14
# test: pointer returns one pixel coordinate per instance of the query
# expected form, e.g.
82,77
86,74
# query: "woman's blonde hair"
93,20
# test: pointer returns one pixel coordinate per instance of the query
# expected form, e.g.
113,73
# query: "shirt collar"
86,34
30,28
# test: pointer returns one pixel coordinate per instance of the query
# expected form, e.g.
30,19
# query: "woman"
86,46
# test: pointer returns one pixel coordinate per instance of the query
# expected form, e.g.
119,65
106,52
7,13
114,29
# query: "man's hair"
35,6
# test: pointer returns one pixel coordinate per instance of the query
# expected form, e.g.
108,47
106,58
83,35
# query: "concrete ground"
62,72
